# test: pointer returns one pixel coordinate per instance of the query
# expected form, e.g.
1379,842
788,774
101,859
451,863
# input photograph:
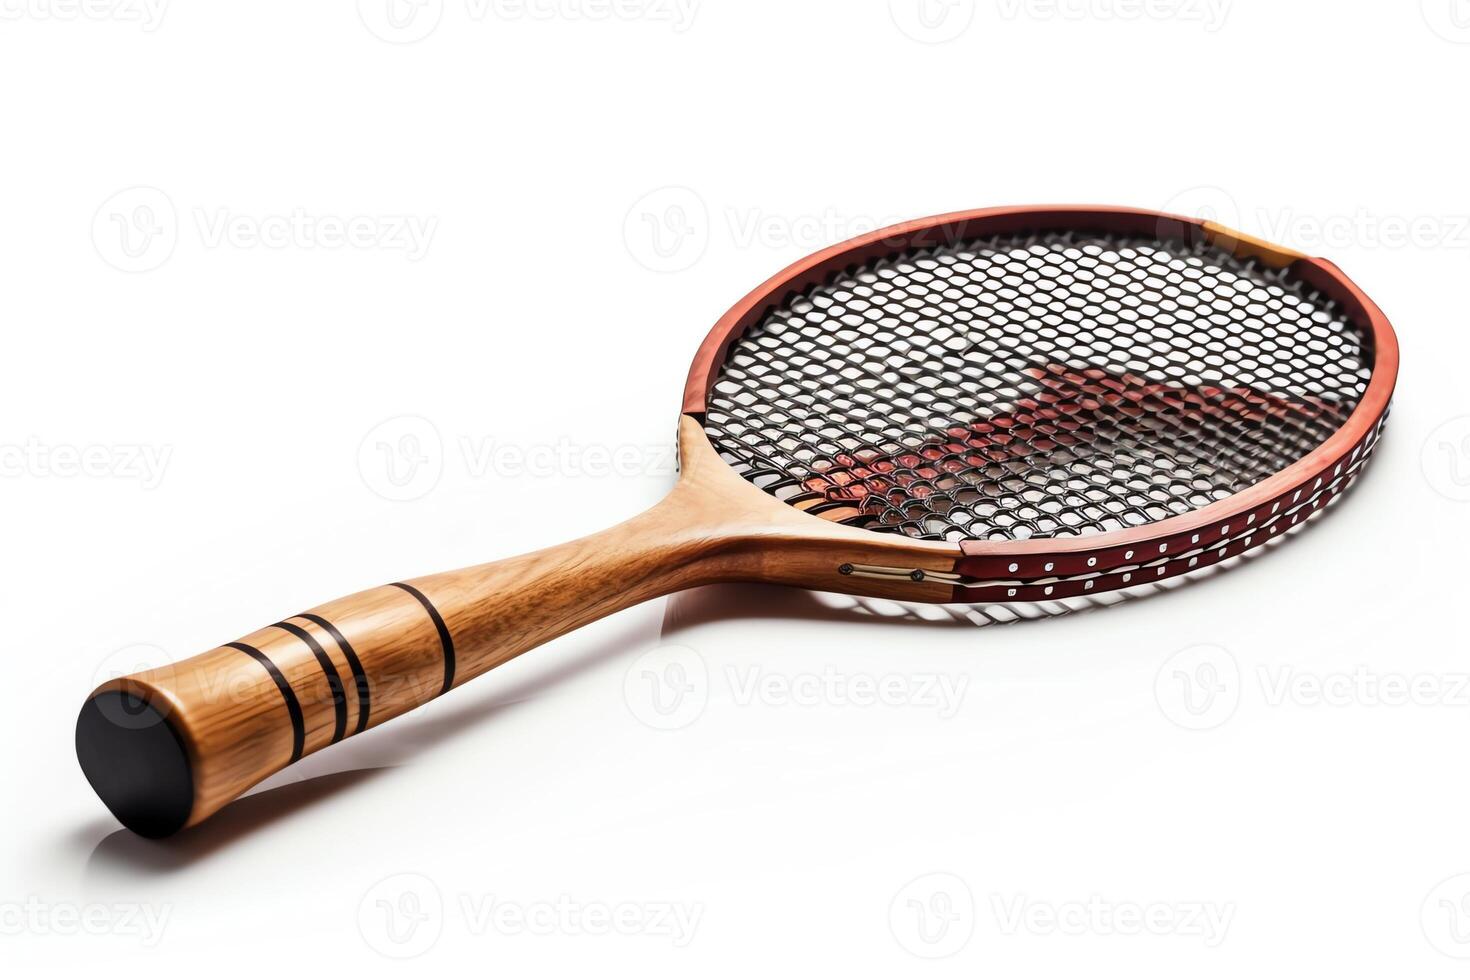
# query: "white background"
588,188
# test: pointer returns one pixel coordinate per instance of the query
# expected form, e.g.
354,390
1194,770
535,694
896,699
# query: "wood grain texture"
367,658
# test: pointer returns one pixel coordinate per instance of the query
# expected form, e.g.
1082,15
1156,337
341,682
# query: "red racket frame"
1053,568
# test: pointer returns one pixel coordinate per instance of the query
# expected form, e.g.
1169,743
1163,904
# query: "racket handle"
167,747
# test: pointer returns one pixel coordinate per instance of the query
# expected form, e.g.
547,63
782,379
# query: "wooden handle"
167,747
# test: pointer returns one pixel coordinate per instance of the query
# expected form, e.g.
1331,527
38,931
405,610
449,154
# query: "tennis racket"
1014,404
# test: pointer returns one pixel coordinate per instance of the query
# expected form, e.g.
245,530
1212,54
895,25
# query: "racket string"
1034,387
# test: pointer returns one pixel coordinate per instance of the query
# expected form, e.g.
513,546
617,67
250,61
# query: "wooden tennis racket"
1013,404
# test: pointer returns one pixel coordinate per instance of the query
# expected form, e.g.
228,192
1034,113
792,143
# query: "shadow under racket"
124,853
361,761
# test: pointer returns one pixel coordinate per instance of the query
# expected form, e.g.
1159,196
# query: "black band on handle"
334,679
445,640
364,692
293,707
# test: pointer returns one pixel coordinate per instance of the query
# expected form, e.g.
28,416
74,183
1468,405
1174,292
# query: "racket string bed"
1041,386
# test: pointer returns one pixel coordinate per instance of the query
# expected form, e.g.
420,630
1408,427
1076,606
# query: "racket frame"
1040,569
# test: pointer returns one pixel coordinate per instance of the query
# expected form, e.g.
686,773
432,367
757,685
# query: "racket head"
1000,566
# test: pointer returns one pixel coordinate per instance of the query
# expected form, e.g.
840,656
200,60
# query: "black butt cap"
136,762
